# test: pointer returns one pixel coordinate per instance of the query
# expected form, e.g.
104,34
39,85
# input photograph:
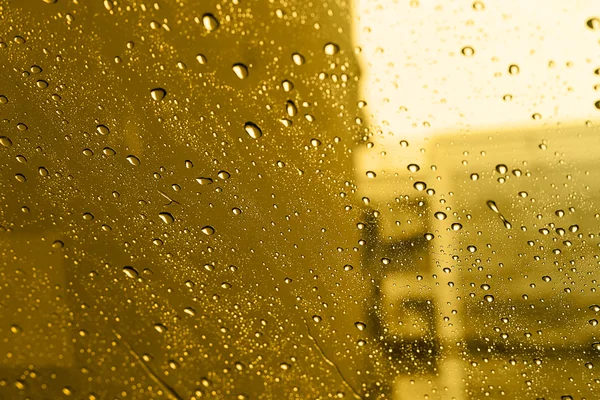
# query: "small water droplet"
253,130
160,328
3,99
413,167
317,318
20,178
166,217
236,211
546,278
240,70
371,174
22,127
158,94
43,171
440,215
108,151
467,51
42,84
474,177
472,249
285,366
348,267
58,244
489,298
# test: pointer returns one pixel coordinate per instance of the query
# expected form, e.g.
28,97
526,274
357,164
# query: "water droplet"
108,151
420,186
240,70
236,211
536,116
285,366
201,58
361,326
559,213
253,130
574,228
133,160
492,206
22,127
3,99
331,49
546,278
20,178
189,311
489,298
513,69
204,181
298,59
166,217
456,226
43,171
226,285
87,152
210,22
158,94
58,244
371,174
593,23
160,328
501,169
507,97
42,84
287,86
189,164
130,272
474,177
291,108
472,249
413,167
317,318
6,142
224,175
440,215
428,236
348,267
478,6
102,129
467,51
208,230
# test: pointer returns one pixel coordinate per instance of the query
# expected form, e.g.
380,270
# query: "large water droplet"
210,22
158,94
593,23
130,272
102,129
240,70
253,130
166,217
208,230
298,59
331,49
133,160
361,326
6,142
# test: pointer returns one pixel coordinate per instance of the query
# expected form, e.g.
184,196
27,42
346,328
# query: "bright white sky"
411,57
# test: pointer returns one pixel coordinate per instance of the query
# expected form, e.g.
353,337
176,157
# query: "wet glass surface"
309,200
